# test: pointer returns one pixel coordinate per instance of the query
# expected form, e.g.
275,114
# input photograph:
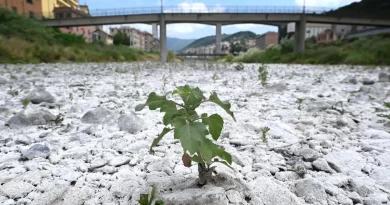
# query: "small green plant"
71,96
387,104
13,92
164,81
191,129
29,72
263,74
341,110
239,67
264,131
214,77
26,102
299,101
118,70
387,116
145,200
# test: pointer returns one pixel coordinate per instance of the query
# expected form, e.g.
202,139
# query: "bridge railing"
203,9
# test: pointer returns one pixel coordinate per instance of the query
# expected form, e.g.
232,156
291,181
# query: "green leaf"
140,107
156,101
215,123
209,151
224,105
152,195
159,202
193,115
196,158
190,96
387,104
143,199
159,138
191,136
170,109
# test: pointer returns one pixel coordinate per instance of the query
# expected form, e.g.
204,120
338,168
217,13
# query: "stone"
287,176
37,150
53,193
98,115
312,190
279,87
16,189
272,193
343,200
350,79
40,95
25,140
367,81
371,201
40,117
355,197
130,123
308,154
382,176
3,81
234,196
18,121
384,159
322,165
345,161
326,144
119,161
208,194
383,77
97,163
361,187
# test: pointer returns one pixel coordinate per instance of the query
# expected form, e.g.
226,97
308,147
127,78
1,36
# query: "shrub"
192,129
229,58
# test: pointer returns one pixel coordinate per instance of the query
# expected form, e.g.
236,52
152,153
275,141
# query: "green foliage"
387,104
229,58
264,131
299,101
263,74
121,39
171,56
145,200
26,103
122,71
239,67
23,40
287,45
214,77
190,128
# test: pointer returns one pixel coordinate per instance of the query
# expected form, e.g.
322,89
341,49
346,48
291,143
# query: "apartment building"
100,35
30,8
48,6
312,29
69,12
269,38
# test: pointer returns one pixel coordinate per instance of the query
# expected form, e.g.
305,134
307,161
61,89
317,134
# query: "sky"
194,31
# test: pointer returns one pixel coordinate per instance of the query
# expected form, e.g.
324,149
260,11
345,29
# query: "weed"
191,129
26,102
118,70
239,67
214,77
264,131
71,96
145,200
299,101
263,74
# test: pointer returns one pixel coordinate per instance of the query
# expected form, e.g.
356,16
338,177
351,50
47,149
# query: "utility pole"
304,6
162,11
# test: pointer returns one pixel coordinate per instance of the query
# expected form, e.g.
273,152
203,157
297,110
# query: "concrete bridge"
217,16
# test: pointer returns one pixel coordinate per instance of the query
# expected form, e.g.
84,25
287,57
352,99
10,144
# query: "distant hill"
366,8
208,40
240,35
177,44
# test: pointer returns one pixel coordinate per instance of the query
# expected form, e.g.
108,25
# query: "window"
68,15
31,14
29,1
15,10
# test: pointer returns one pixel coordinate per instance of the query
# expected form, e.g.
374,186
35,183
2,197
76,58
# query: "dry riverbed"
79,141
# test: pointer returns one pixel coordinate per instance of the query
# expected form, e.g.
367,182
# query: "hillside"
240,35
208,40
366,8
23,40
177,44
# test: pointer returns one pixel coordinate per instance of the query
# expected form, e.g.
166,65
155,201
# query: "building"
269,38
30,8
100,35
69,12
312,29
48,6
339,32
325,36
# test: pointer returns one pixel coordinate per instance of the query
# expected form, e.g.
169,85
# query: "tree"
121,39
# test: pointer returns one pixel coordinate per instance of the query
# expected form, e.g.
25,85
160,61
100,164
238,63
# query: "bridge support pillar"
300,35
154,31
218,45
163,40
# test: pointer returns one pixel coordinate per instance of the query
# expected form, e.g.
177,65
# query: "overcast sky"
188,31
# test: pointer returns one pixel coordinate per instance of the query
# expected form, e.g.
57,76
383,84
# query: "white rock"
312,190
119,161
345,161
16,189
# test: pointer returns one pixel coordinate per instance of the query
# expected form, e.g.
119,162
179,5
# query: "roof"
100,30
